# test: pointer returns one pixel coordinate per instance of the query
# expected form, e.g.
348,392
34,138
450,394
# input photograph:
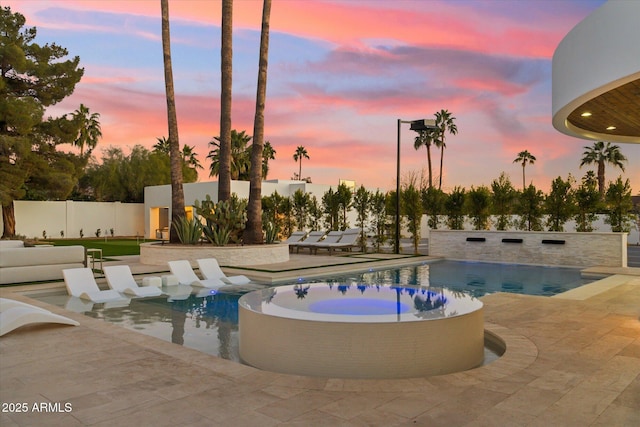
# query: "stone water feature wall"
531,247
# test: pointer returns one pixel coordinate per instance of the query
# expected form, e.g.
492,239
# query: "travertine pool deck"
571,360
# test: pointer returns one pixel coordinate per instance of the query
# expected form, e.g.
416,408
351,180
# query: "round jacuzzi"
360,331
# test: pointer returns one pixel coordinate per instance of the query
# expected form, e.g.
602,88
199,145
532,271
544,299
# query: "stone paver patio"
570,360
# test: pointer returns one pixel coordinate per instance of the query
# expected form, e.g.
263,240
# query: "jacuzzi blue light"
358,307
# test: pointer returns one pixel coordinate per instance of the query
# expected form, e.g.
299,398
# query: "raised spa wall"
158,254
531,247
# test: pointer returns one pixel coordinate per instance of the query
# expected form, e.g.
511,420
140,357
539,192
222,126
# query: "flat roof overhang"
613,115
596,76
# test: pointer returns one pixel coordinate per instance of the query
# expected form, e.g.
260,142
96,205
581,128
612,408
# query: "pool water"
478,278
209,323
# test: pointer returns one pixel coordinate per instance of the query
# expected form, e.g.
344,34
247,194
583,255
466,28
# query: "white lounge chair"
295,238
14,314
312,238
186,276
348,241
331,237
210,269
178,292
81,283
119,278
78,305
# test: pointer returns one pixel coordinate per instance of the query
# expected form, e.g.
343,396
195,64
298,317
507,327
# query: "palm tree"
226,54
268,153
253,232
239,156
600,154
188,155
426,138
297,156
524,157
177,192
88,129
162,146
445,123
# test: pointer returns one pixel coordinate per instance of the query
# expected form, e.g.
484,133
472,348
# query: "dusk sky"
340,75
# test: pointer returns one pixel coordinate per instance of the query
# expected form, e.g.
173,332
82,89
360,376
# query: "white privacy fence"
68,218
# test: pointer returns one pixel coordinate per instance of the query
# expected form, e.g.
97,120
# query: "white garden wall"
34,217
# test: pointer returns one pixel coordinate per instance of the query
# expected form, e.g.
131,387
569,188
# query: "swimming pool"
209,323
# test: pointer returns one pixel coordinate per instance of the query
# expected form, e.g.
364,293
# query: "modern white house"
596,76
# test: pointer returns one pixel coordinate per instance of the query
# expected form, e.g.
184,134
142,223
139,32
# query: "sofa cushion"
5,244
20,257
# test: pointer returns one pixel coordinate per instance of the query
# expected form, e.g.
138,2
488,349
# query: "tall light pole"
417,125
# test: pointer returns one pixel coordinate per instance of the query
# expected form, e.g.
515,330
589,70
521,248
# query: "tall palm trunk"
253,233
523,180
226,57
429,165
177,193
441,161
601,178
8,220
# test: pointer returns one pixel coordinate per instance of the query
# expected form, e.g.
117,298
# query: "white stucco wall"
34,217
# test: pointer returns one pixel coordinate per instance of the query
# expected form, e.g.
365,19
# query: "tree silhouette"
523,158
599,154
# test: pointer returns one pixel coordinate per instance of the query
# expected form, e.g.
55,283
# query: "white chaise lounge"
210,269
346,242
186,276
81,283
312,237
14,314
120,279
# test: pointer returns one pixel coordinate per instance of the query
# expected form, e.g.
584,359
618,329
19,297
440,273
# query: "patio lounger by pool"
312,237
348,241
81,283
178,292
296,237
331,237
14,314
78,305
210,269
120,279
186,276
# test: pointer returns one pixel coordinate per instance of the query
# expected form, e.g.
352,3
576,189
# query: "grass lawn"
110,247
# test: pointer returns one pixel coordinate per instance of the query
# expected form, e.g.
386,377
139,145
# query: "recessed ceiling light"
611,128
586,114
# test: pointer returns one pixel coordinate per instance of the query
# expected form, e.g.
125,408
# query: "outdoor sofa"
32,264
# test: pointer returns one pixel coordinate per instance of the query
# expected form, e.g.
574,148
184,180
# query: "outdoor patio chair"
312,237
119,278
296,237
186,276
14,314
331,237
210,269
178,292
347,242
81,283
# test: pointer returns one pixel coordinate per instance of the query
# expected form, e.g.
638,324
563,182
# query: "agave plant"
224,221
189,230
270,231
